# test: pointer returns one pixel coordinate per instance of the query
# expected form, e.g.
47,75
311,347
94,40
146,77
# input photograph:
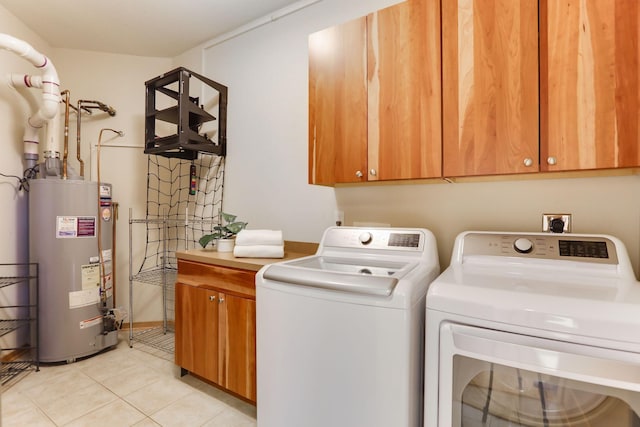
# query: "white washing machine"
533,329
340,334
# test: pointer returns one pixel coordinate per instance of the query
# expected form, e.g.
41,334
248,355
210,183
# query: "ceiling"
159,28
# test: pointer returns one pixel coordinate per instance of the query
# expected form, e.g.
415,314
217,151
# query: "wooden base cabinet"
215,334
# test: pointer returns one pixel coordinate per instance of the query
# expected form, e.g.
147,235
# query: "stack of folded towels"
259,244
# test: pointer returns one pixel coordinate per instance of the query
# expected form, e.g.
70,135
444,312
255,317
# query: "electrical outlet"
556,223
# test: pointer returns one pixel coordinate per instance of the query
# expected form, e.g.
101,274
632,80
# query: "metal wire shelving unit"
18,320
162,274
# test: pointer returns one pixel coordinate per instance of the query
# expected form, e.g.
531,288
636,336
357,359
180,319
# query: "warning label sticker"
69,227
90,322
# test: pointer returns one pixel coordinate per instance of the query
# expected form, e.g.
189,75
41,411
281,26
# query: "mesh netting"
175,219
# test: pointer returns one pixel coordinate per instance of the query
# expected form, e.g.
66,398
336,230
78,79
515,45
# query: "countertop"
292,250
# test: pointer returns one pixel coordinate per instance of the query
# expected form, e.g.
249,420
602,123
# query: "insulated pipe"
50,84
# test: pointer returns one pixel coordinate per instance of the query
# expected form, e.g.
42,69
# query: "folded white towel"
259,251
259,237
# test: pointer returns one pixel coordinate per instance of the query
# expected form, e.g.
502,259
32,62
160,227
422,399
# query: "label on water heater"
105,191
90,322
83,298
69,227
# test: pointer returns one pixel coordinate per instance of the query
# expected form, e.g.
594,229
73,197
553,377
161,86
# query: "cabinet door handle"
220,300
552,160
528,162
212,297
359,174
373,172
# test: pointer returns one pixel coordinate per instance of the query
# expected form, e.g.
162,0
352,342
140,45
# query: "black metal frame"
187,115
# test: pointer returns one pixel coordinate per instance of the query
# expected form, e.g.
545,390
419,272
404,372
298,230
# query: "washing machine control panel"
375,238
594,249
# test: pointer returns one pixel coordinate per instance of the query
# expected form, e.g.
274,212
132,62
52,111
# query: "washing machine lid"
353,275
541,289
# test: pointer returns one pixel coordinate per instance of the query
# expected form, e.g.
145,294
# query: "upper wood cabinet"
590,84
404,91
375,97
490,87
337,103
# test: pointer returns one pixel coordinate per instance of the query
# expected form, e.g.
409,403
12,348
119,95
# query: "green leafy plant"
227,230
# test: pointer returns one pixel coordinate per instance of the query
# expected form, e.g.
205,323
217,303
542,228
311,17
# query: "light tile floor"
124,386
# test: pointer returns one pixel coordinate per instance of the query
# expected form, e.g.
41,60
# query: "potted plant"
224,234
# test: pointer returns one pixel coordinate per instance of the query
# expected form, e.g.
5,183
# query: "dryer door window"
492,378
501,395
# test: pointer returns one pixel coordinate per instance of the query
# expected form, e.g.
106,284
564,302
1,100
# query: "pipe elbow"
50,107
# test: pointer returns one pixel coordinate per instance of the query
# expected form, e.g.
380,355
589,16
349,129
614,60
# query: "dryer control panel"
583,248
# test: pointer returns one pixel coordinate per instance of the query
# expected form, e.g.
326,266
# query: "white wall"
266,180
266,72
14,111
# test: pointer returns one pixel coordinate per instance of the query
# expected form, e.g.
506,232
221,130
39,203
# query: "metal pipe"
78,126
67,95
114,220
103,275
130,279
84,104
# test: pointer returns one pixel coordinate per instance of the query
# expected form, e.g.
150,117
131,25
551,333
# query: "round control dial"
523,245
365,238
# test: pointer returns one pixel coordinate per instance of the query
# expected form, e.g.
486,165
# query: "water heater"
66,217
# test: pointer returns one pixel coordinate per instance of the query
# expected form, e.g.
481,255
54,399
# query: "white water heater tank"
64,220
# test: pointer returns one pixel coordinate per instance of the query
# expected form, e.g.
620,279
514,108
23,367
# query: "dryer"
533,329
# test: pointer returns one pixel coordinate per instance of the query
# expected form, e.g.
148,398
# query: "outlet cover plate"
547,218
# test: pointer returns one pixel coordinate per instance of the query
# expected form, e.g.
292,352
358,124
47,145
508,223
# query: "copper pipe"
79,111
114,219
92,104
103,281
67,95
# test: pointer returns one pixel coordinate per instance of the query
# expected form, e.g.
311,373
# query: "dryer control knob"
365,238
523,245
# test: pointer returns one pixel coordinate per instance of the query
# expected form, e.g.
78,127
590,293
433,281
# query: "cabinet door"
404,91
490,87
196,336
238,338
590,84
338,104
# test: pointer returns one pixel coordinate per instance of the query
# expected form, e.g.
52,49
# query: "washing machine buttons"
365,238
523,245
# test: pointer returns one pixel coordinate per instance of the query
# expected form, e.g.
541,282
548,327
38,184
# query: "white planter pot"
225,245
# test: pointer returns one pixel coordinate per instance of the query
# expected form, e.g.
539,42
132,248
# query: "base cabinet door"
238,321
196,336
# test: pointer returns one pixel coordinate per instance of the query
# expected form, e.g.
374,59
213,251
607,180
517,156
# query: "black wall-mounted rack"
187,116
